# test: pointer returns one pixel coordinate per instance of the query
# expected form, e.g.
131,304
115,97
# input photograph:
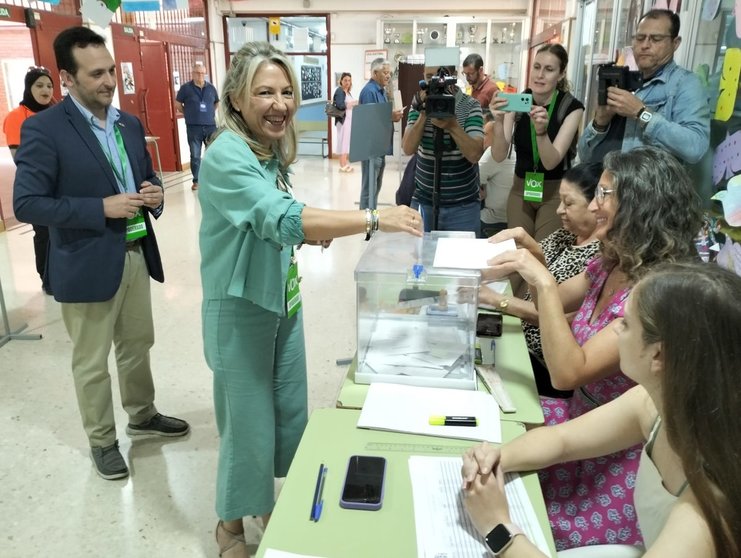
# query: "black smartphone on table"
364,483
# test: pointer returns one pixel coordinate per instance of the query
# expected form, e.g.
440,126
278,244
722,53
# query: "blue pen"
319,504
317,495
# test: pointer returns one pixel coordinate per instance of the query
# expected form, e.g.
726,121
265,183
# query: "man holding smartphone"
462,147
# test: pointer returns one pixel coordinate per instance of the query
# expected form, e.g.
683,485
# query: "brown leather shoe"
194,186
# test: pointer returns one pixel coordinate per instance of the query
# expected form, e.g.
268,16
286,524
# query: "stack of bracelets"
371,222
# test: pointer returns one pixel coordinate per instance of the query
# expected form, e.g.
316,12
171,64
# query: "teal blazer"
248,226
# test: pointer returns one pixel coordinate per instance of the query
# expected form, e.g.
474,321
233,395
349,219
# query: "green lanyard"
120,175
536,153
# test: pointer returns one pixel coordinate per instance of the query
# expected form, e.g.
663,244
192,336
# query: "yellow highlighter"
440,420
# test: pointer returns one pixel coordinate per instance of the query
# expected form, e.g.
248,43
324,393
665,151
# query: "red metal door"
129,75
158,102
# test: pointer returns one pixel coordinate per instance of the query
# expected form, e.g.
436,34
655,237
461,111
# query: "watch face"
498,538
645,116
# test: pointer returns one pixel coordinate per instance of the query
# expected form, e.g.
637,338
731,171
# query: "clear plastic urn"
416,323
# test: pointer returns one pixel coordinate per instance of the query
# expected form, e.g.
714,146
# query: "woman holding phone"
542,138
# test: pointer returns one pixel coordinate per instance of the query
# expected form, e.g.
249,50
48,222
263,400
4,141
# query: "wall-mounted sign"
5,12
370,56
274,26
128,30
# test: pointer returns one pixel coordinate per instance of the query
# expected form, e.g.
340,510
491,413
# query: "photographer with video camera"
445,128
662,104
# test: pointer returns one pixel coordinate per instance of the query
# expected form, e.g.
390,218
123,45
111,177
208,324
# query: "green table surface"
512,362
331,438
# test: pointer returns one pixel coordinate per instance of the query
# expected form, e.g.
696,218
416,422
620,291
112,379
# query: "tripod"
437,142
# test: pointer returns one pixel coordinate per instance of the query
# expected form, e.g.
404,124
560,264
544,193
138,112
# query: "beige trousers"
126,321
538,219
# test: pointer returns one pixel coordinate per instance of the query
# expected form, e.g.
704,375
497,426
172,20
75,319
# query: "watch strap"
498,546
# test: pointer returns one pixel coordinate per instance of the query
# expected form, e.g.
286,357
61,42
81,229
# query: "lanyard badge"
534,187
293,294
136,227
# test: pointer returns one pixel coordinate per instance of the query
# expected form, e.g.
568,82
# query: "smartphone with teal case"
516,102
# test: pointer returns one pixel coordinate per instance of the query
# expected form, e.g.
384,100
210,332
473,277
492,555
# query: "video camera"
610,75
439,103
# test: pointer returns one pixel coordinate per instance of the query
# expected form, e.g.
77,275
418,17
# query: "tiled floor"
51,501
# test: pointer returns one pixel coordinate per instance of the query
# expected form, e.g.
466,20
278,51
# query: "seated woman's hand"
400,218
479,460
486,502
519,235
489,297
519,261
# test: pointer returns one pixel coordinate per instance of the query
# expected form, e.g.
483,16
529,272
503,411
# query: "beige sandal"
231,545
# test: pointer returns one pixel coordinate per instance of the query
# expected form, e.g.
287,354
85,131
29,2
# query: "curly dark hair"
694,311
658,211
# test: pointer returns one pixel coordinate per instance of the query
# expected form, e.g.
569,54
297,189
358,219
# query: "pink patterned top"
591,501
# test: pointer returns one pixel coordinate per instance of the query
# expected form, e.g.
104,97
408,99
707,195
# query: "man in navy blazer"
84,171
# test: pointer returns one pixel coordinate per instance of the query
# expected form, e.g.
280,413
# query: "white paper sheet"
468,253
442,524
401,408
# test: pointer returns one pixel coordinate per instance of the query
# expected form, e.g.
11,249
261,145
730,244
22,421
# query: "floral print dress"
591,501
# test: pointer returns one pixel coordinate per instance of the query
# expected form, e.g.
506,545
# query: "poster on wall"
127,76
370,56
176,80
311,82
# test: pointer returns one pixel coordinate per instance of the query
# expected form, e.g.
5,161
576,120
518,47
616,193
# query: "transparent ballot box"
416,323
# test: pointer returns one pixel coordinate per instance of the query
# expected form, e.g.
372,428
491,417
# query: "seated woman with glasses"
565,253
647,213
684,356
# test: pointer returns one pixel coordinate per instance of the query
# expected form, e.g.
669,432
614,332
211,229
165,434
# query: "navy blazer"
61,179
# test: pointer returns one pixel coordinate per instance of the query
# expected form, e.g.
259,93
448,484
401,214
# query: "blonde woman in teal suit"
252,321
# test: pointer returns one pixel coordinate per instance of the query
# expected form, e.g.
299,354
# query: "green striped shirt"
459,179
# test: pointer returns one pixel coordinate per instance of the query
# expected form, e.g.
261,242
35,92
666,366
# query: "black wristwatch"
501,537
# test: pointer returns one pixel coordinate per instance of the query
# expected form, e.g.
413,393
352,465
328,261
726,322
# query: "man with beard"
84,172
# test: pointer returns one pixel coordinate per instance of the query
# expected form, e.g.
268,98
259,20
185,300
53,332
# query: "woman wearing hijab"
37,96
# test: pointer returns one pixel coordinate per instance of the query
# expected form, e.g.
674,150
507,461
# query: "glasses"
601,192
653,39
37,69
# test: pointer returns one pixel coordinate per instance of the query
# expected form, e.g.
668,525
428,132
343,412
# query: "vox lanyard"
534,139
121,148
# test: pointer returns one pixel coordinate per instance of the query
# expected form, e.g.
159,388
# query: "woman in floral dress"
647,212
